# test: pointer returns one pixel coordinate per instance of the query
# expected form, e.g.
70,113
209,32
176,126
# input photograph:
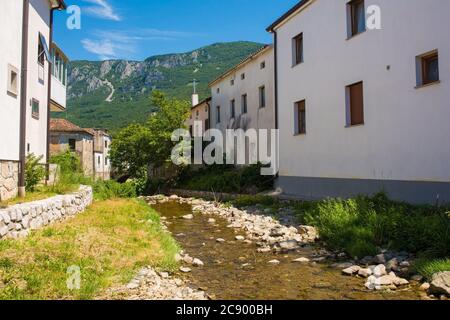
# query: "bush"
428,268
34,172
70,172
359,226
104,190
227,179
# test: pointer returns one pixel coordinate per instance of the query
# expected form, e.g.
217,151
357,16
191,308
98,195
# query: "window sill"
297,64
12,93
300,134
427,85
355,125
355,35
35,117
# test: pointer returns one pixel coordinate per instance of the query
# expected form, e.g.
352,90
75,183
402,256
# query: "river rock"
288,245
440,285
240,238
302,260
351,270
365,273
198,263
220,240
392,265
211,220
425,286
274,262
379,271
264,250
185,269
380,259
188,217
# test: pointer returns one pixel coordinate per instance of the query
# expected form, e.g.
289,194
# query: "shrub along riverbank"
363,225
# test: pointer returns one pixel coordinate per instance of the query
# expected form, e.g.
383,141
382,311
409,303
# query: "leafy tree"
137,146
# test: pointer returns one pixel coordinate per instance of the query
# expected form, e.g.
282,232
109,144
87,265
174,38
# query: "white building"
102,147
24,93
361,110
243,97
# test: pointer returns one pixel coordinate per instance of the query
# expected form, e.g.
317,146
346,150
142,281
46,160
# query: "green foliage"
428,268
34,172
359,226
246,201
70,173
130,101
227,179
105,190
137,146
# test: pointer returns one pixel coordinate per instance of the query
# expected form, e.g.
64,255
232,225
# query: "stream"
235,270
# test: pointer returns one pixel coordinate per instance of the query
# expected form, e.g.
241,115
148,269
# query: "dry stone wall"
17,221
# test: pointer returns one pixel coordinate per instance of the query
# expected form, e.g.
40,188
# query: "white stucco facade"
10,55
248,78
405,132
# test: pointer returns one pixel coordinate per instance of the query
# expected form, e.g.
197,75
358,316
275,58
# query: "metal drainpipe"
49,95
23,98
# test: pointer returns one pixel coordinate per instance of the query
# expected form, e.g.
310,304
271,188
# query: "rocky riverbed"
253,250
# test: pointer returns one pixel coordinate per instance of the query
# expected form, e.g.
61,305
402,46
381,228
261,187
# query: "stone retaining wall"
9,177
18,220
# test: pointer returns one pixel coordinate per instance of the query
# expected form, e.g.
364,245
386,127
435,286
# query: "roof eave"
288,14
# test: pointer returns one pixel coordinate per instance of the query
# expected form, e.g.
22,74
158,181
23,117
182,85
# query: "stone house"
26,88
64,135
199,120
102,145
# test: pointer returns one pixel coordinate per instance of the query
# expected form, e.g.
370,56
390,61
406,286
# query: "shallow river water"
234,270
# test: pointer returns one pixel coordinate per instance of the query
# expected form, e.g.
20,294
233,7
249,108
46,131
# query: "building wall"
255,77
405,132
39,22
11,42
198,114
102,163
84,148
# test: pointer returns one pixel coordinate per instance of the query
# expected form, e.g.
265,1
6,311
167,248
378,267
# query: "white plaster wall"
10,42
36,134
255,77
406,131
59,92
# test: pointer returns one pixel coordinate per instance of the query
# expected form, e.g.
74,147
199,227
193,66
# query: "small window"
218,90
233,108
232,82
218,114
35,109
355,104
43,52
206,124
262,65
13,80
244,104
191,130
106,144
28,148
300,117
262,97
243,76
72,144
297,49
356,14
99,160
106,161
428,68
197,113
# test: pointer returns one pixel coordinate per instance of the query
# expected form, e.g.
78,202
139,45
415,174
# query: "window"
233,108
242,76
106,144
28,147
300,117
297,49
206,124
98,160
355,104
43,52
106,161
197,113
262,97
218,90
262,65
218,114
427,68
356,14
13,75
35,109
72,144
244,104
191,131
232,82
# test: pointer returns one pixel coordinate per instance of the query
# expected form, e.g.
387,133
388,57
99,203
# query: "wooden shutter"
356,104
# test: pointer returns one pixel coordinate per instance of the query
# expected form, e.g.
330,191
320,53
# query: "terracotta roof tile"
63,125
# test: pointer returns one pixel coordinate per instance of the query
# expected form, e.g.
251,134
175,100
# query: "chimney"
195,95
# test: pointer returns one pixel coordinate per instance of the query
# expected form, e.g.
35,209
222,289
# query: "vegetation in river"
109,242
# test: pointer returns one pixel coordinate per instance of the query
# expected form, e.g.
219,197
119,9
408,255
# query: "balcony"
58,99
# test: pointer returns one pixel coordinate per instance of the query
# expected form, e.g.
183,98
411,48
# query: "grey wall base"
414,192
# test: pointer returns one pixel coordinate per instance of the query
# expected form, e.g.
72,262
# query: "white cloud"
115,44
101,9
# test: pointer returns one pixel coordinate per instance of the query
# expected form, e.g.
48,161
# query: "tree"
137,146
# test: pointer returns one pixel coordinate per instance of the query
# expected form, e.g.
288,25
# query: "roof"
59,4
255,54
63,125
285,16
94,131
202,102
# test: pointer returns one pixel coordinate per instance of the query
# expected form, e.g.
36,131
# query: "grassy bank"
363,225
109,242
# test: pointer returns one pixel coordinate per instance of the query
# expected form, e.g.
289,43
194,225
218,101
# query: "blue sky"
137,29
